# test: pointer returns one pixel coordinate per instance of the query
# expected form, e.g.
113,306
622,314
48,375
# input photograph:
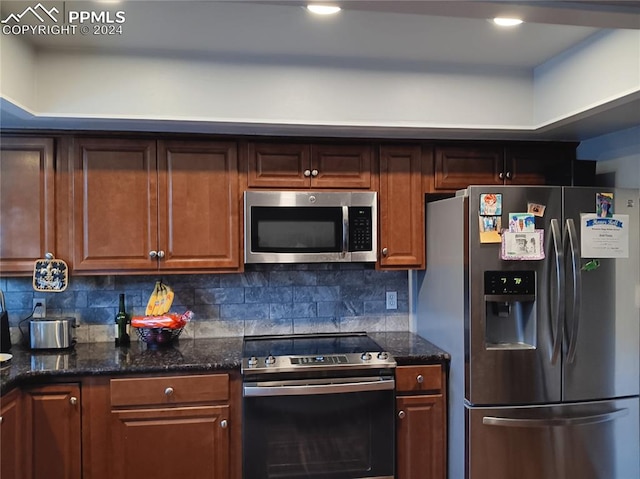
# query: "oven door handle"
304,388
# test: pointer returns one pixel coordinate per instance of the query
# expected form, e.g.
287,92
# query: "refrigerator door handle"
577,289
555,421
557,325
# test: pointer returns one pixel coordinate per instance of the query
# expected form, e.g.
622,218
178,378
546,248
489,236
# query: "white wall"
17,66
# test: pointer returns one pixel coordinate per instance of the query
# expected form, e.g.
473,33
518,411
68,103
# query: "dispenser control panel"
510,282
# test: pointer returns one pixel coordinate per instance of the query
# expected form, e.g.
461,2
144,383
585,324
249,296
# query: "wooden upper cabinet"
27,202
301,165
539,164
401,200
115,204
142,206
198,198
456,167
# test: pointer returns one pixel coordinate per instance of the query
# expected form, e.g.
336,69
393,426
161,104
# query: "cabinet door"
277,165
52,425
166,443
341,166
11,436
539,165
27,208
457,167
198,205
401,207
115,205
421,438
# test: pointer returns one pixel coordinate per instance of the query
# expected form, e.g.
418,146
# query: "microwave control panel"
360,234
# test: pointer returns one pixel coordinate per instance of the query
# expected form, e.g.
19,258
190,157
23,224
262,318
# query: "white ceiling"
381,33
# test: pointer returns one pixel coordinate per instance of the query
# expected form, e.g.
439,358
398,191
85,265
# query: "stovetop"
307,352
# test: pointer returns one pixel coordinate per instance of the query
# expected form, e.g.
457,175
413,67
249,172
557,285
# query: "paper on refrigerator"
604,237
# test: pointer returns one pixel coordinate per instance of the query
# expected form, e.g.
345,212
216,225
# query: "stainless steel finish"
557,306
252,361
607,352
270,360
385,251
596,440
310,387
299,198
48,255
161,254
168,391
420,379
345,230
51,333
401,414
501,175
286,364
224,424
153,254
314,173
577,288
73,400
307,173
508,175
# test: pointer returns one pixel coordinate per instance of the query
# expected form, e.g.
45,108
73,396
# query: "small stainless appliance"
51,333
310,227
317,406
545,364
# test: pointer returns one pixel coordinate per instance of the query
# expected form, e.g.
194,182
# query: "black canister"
5,335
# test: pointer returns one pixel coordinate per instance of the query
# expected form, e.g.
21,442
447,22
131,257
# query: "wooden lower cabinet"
11,436
421,438
52,428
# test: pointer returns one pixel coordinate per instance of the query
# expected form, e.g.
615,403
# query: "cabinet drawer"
169,390
418,378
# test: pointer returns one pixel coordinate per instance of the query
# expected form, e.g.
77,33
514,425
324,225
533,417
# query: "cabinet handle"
420,378
0,419
314,173
307,173
501,176
153,254
73,400
160,254
508,175
168,391
401,414
224,424
385,251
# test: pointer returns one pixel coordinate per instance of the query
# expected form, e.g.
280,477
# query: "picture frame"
522,246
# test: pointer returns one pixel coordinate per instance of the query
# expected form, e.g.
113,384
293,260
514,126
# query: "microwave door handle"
345,230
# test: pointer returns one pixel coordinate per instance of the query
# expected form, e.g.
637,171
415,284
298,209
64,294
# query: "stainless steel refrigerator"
544,342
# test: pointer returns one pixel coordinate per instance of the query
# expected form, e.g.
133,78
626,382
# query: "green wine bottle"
122,320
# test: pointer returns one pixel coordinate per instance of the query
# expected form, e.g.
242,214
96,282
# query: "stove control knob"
366,356
252,361
383,355
270,360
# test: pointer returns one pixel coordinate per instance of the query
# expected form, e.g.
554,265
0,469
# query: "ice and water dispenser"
510,306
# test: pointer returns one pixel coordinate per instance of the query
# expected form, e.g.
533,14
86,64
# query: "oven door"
340,429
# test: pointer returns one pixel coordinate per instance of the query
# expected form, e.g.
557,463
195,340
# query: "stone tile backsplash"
265,299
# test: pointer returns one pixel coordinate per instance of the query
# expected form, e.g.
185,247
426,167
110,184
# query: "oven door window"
298,229
329,436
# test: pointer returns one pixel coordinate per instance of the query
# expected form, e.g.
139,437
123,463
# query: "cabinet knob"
385,251
307,173
153,254
160,254
508,175
168,391
501,176
0,419
420,378
401,414
224,424
73,400
314,173
49,255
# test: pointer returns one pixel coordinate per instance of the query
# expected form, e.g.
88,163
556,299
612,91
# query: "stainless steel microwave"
310,227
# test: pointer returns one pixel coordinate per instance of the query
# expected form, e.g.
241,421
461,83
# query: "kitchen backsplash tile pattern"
265,299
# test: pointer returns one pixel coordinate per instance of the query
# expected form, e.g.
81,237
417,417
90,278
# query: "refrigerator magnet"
490,227
521,222
536,209
604,205
523,246
491,204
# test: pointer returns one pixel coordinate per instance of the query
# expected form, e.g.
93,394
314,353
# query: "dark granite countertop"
193,355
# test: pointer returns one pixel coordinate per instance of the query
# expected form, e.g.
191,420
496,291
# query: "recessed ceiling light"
323,9
507,22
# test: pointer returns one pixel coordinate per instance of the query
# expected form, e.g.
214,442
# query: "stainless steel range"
318,406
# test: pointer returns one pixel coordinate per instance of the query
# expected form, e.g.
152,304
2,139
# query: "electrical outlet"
392,300
39,311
